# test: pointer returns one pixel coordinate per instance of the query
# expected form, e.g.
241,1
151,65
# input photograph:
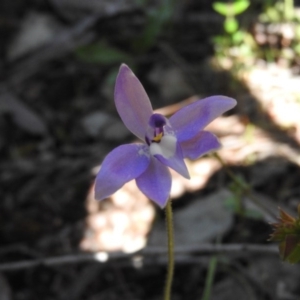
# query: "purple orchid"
167,141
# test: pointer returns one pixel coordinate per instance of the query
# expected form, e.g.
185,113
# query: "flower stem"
170,273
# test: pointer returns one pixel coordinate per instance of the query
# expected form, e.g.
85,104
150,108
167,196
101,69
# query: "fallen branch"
193,251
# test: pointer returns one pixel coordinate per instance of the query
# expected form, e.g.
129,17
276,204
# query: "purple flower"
167,141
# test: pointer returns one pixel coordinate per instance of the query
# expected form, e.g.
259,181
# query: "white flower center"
166,147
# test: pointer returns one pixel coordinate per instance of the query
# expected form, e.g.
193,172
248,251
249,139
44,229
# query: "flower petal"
121,165
199,145
132,102
172,158
188,121
155,182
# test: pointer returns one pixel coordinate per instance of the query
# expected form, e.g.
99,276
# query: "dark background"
58,63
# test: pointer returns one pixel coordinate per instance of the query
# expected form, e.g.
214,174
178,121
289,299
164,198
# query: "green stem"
246,189
170,273
210,278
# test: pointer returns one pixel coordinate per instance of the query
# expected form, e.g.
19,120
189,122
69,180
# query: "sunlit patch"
101,256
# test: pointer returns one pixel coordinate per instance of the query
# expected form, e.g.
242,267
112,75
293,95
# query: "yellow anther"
158,138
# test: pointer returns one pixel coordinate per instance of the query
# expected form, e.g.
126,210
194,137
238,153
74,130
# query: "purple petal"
175,162
132,102
120,166
188,121
156,182
199,145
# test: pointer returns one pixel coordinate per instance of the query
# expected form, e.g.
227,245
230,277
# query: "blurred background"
58,64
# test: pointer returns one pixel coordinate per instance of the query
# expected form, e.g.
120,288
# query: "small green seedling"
229,11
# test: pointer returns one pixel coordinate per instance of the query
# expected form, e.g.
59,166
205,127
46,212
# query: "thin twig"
204,249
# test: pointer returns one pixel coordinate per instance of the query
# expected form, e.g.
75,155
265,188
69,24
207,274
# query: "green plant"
235,44
236,202
287,233
282,24
229,11
157,18
101,52
276,36
281,11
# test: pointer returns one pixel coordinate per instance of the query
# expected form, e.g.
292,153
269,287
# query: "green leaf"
240,6
222,8
153,29
273,15
231,203
254,214
155,25
290,249
101,53
231,9
231,25
297,31
297,49
294,257
111,76
141,2
222,41
238,37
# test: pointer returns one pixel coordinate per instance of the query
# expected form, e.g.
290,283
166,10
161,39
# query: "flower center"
156,128
157,138
160,136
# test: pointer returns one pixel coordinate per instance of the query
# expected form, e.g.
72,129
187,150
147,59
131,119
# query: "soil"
51,142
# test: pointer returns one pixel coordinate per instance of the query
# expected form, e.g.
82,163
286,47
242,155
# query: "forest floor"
58,121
